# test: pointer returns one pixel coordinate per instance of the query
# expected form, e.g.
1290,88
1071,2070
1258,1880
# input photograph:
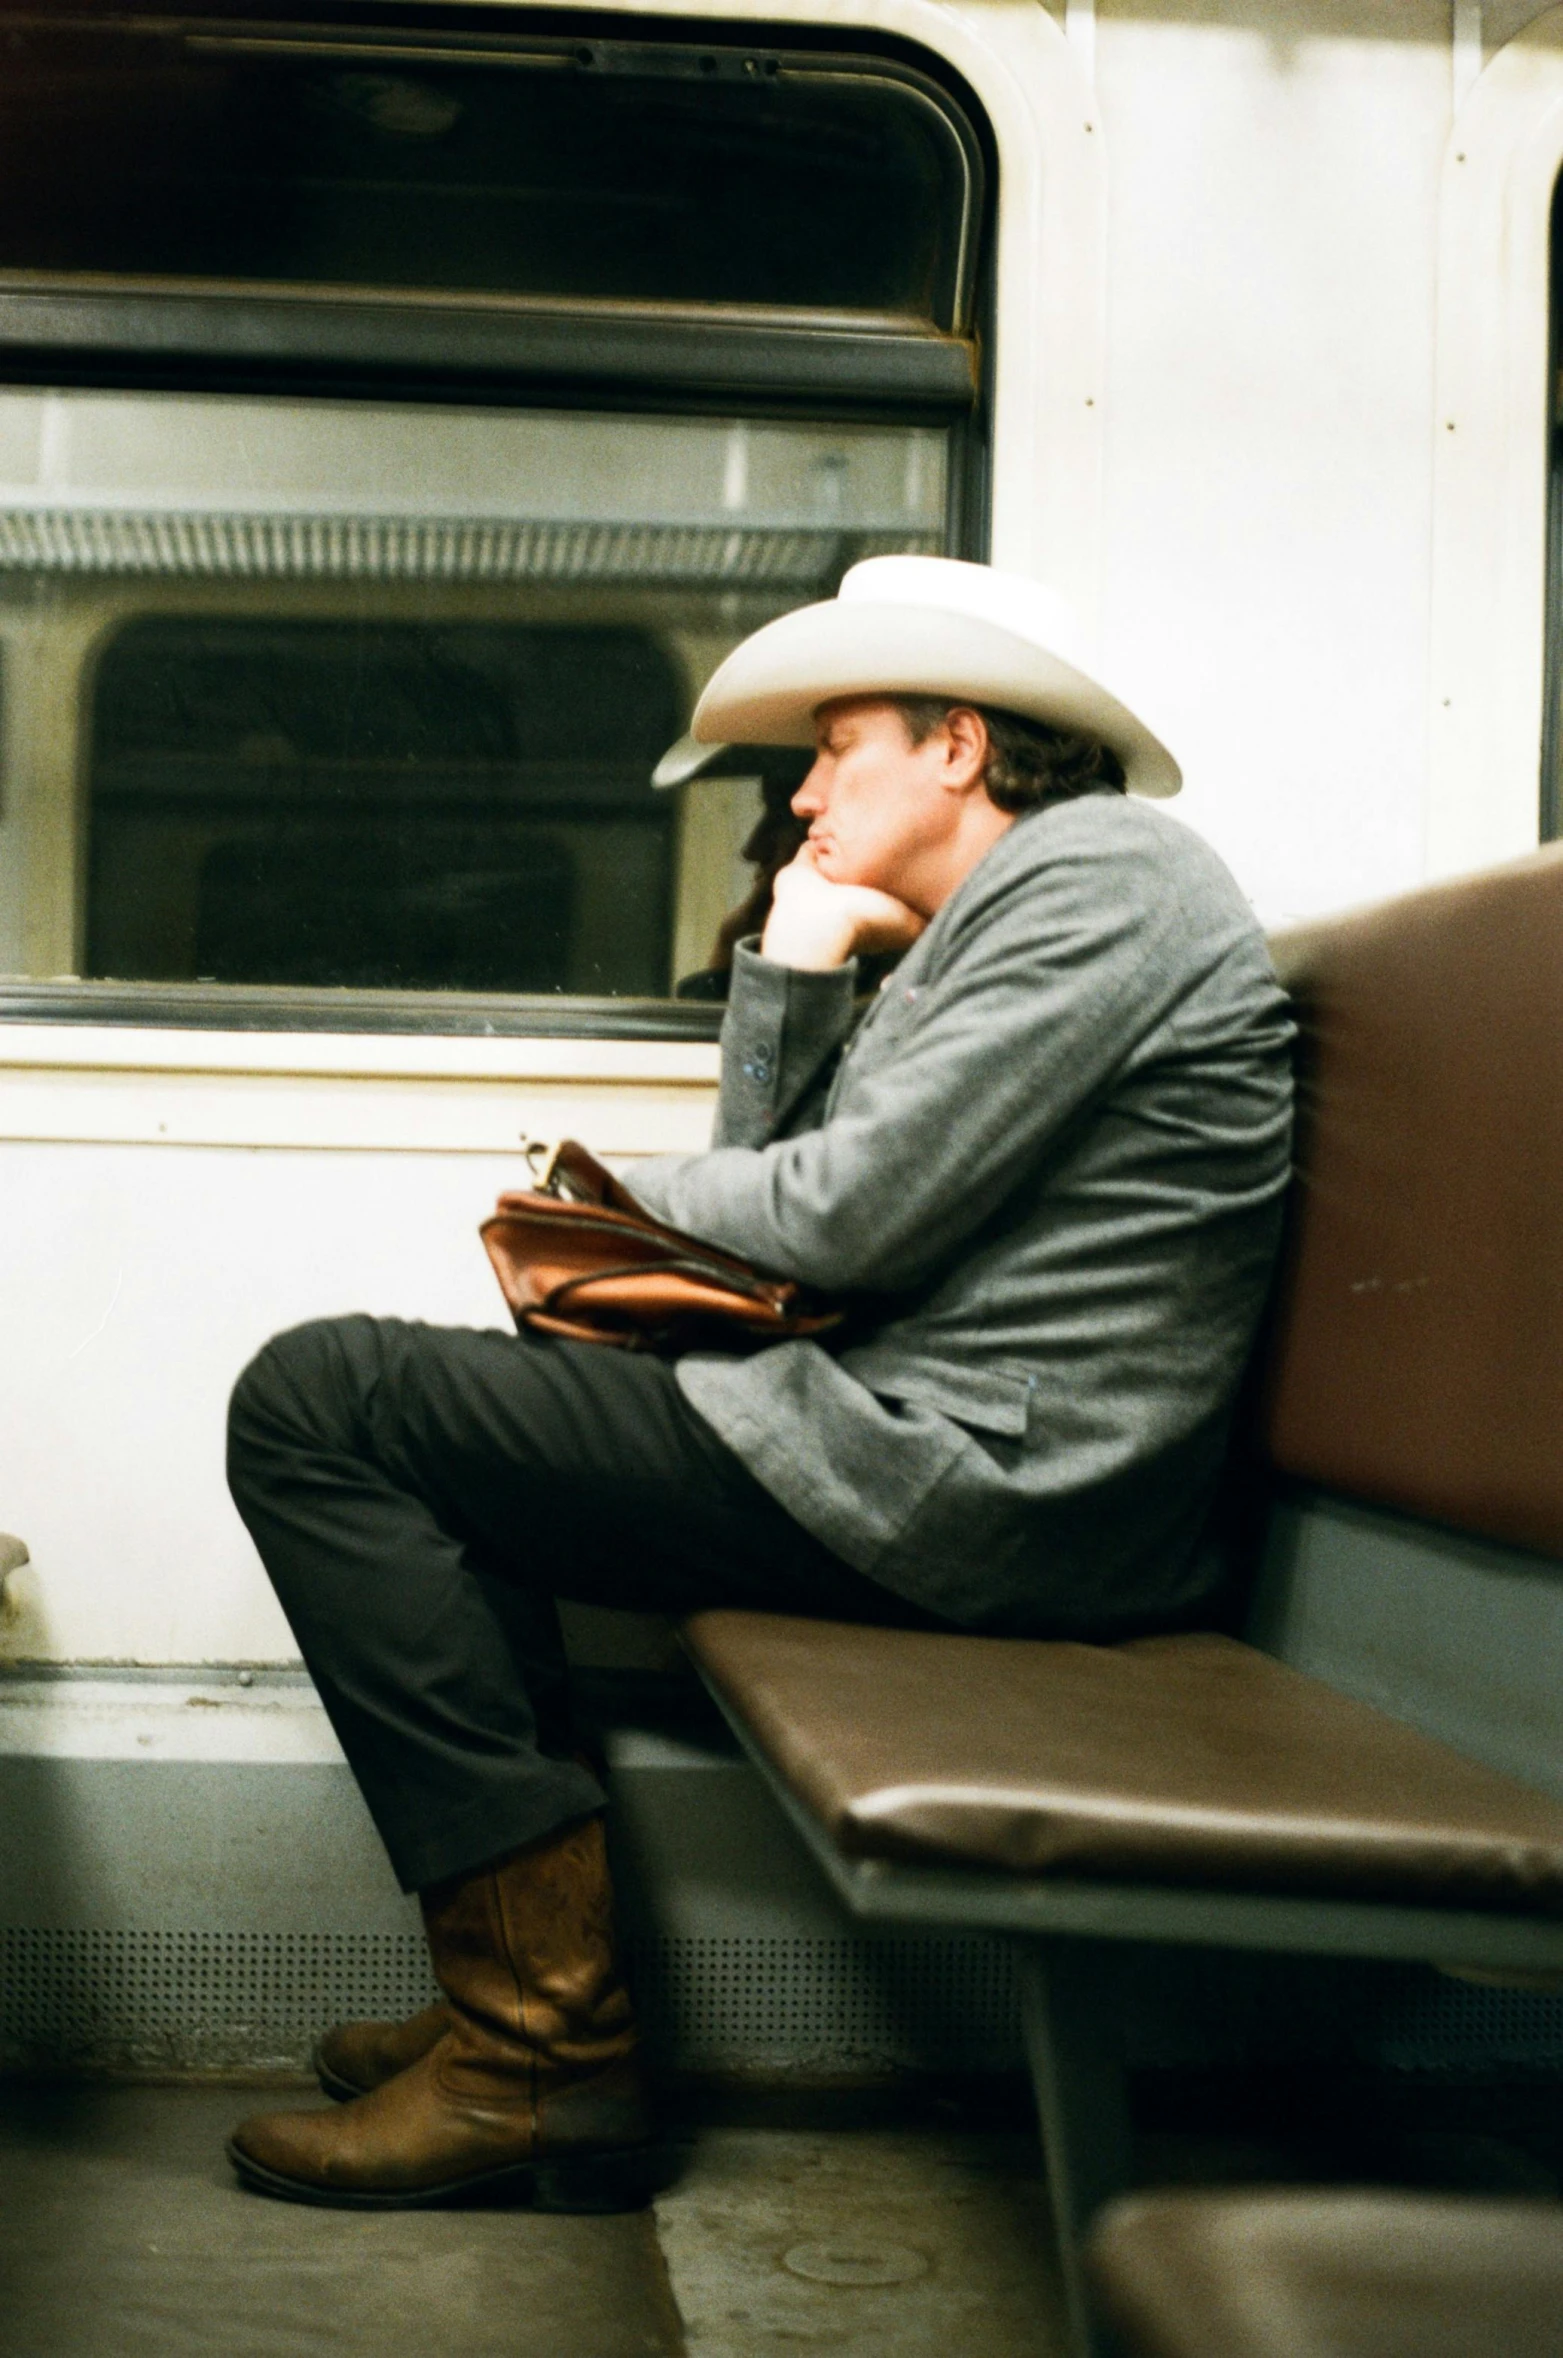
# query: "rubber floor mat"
124,2235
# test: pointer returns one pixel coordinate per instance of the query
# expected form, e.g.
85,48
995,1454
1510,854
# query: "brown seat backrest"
1417,1358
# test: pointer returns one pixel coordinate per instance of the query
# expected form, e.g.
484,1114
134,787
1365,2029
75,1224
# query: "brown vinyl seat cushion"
1331,2275
1169,1760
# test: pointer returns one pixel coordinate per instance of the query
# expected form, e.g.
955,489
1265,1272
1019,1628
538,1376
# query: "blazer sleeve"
781,1036
1045,986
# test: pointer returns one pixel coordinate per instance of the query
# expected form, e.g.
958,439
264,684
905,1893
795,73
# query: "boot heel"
624,2180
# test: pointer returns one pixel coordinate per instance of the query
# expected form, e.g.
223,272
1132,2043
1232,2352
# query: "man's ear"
966,761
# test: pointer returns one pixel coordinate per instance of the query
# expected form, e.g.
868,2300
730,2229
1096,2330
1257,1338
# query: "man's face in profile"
872,799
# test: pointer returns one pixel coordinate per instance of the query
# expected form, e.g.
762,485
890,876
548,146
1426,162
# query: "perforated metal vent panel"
209,2001
194,2001
400,548
165,2000
1434,2023
1200,2006
925,2001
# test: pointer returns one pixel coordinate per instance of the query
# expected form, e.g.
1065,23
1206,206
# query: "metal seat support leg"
1074,2040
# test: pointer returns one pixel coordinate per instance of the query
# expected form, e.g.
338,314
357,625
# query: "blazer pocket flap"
989,1399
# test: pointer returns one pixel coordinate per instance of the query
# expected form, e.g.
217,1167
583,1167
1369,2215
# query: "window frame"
1550,795
1489,697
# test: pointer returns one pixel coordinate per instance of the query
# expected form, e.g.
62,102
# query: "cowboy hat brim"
752,759
769,688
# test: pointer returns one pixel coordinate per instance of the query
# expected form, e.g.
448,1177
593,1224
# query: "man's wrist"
753,969
808,943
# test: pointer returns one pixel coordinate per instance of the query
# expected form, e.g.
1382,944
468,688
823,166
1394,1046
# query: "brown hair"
1030,762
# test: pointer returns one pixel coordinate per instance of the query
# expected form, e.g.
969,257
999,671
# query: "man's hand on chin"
816,924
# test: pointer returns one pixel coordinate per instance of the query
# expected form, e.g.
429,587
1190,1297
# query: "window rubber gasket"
207,333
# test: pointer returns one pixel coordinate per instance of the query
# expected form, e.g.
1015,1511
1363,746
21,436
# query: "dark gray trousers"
421,1495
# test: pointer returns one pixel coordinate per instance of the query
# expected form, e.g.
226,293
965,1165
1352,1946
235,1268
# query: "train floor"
124,2235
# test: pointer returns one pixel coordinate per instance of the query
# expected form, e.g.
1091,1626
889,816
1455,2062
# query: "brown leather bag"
577,1256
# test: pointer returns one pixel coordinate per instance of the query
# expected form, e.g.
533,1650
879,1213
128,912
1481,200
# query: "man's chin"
830,864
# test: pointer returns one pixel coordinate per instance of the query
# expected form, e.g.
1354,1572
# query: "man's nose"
810,796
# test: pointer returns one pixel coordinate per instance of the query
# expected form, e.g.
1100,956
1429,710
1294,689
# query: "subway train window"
504,162
400,417
357,696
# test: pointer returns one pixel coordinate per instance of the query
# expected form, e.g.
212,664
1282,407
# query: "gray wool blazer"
1047,1167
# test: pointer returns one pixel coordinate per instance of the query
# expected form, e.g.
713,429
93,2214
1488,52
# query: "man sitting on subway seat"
1045,1170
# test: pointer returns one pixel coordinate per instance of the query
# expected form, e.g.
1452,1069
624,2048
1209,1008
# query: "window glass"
381,804
549,167
351,696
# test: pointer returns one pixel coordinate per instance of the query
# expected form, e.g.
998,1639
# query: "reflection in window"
347,696
392,806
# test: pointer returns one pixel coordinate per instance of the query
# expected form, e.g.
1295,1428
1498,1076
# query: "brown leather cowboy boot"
534,2092
353,2057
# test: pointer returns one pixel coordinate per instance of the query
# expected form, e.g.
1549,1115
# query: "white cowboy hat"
925,626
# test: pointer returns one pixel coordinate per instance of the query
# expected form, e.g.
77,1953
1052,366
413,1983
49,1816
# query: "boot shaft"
524,1951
